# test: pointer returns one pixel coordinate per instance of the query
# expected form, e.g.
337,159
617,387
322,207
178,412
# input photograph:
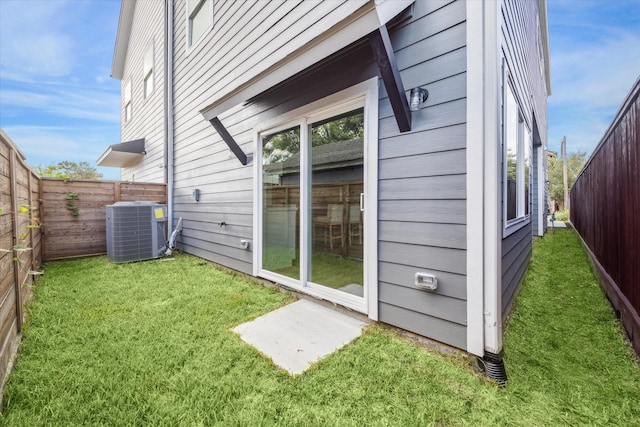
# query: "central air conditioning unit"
136,231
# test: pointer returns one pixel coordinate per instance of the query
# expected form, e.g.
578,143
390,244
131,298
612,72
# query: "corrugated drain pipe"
493,367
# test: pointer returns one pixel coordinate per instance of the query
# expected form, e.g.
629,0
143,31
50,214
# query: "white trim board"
475,179
484,221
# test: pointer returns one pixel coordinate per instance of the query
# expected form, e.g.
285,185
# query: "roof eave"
123,155
122,38
544,29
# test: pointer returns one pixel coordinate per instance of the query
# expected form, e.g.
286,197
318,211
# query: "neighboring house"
291,119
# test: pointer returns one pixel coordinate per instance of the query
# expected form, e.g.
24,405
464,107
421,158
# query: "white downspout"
492,187
169,108
475,177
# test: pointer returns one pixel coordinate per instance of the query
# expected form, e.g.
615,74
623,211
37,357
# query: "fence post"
43,226
33,256
116,192
14,212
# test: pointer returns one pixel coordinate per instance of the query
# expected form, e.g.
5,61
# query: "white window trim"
148,71
510,226
363,94
191,44
128,102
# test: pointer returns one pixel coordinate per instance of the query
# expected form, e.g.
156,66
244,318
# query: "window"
517,160
127,102
148,72
200,19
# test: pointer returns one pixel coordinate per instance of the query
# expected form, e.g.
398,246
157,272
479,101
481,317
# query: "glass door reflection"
281,202
337,185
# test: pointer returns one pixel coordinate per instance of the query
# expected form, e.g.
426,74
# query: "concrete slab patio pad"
557,224
299,334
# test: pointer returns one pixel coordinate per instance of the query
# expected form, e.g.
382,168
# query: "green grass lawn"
149,344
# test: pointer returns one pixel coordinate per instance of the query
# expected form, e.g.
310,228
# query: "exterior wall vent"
136,231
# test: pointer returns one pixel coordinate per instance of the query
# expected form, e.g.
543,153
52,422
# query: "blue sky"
57,101
595,59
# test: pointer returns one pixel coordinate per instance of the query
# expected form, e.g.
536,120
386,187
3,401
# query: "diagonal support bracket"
383,52
228,139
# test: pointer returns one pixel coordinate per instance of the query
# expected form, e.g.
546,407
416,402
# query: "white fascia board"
389,9
544,29
118,159
354,27
122,38
475,179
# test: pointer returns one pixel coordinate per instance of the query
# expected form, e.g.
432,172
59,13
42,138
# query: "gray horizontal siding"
216,253
438,329
446,187
516,252
422,182
441,115
422,190
519,31
423,233
409,144
437,211
421,165
414,257
205,162
440,306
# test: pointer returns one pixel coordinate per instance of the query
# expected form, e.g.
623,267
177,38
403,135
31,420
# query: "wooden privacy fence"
74,213
19,188
605,208
54,218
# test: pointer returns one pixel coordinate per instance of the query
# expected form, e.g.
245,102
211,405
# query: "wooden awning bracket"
228,139
383,53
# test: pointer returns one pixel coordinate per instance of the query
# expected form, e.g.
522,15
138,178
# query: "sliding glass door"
337,190
312,204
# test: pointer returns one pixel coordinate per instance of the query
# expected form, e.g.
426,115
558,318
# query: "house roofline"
122,38
544,29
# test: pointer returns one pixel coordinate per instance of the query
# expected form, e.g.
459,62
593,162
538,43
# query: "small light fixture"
418,97
196,194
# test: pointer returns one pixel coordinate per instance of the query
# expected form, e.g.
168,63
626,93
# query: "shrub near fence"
73,218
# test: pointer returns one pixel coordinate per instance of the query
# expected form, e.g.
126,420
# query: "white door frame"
363,94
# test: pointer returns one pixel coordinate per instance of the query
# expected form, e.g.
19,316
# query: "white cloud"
34,41
70,104
599,75
595,61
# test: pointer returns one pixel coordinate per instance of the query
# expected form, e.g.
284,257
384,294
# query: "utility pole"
565,178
